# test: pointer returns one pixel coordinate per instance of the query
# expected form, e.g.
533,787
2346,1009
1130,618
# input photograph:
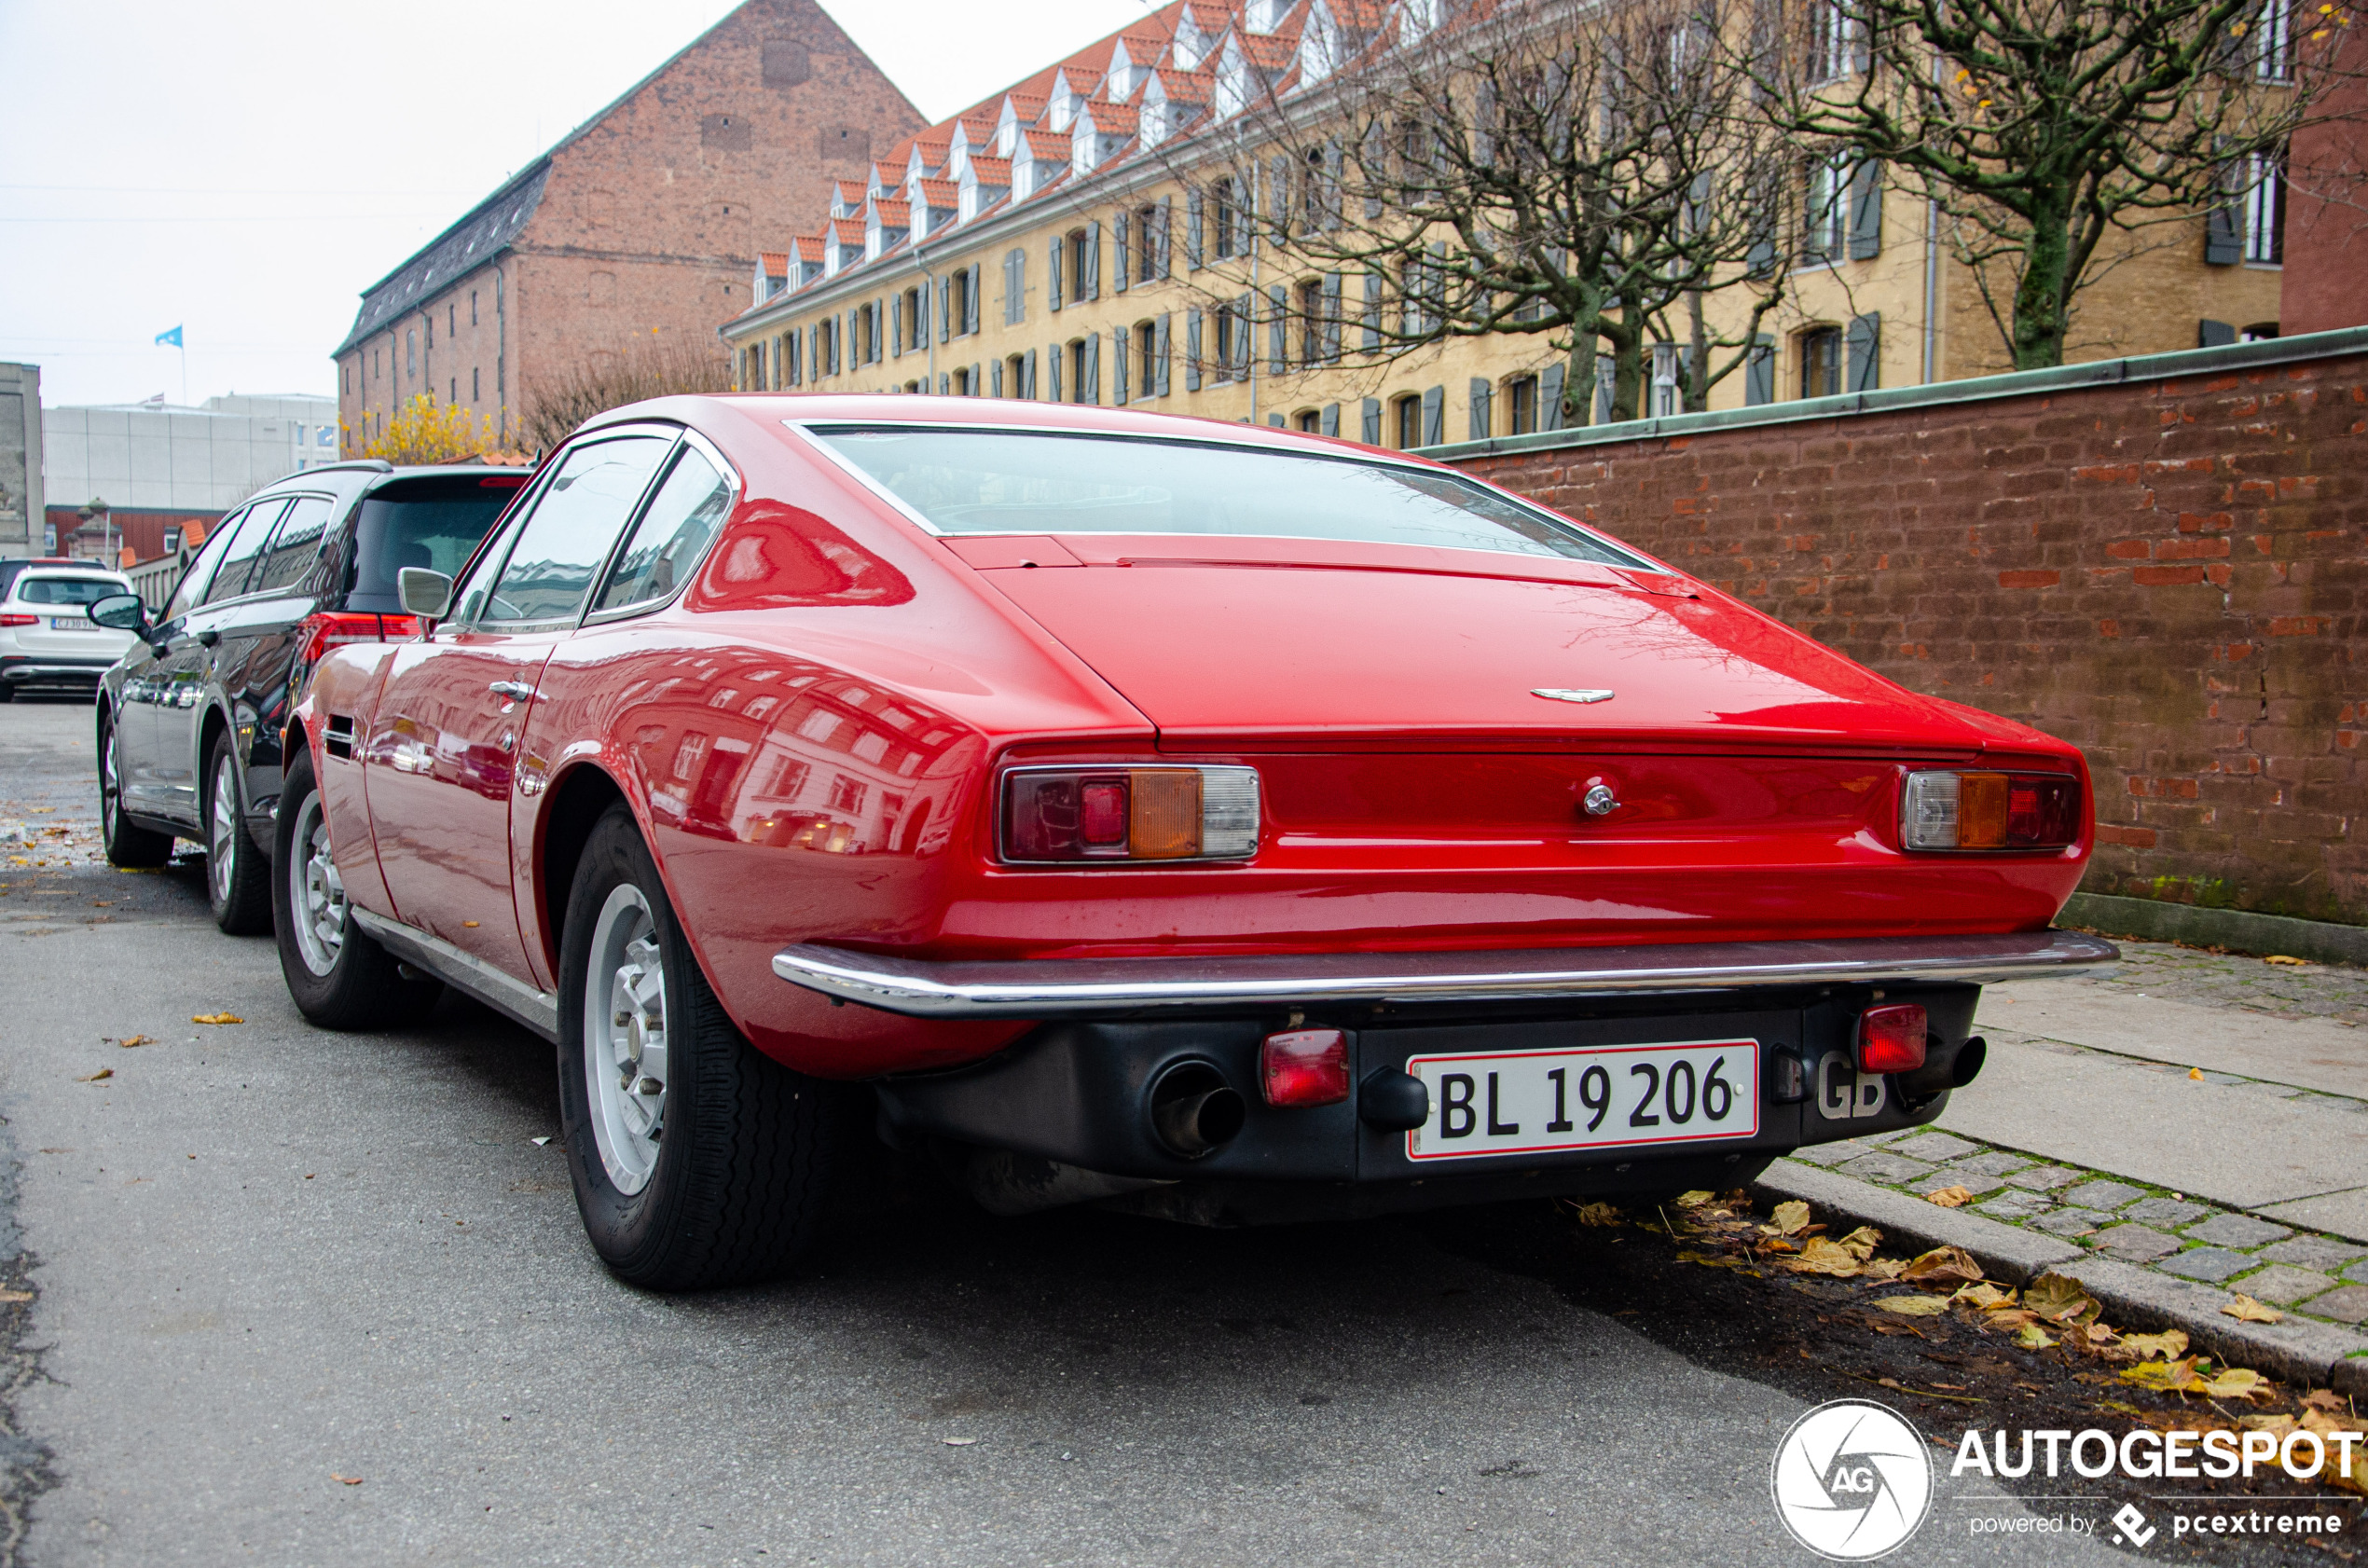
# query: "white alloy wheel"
316,893
625,1025
222,829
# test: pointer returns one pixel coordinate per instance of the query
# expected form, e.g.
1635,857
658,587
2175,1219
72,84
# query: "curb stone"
2309,1355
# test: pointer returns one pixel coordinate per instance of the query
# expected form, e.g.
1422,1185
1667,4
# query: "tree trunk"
2040,316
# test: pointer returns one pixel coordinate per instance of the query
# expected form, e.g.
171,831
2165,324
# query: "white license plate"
74,622
1530,1102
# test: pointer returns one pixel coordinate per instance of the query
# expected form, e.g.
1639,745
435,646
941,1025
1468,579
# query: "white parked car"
47,638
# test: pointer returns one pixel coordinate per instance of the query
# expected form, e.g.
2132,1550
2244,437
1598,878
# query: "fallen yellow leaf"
1824,1256
2059,1299
1712,1260
2196,1072
1985,1295
2278,1425
1951,1197
2281,958
347,1481
1913,1306
1790,1217
2327,1399
2012,1317
2162,1346
16,1294
1943,1266
2246,1310
100,1075
132,1040
217,1018
2034,1338
2233,1382
1598,1213
1861,1243
1695,1199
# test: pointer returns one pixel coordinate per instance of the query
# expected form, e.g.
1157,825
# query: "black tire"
237,884
735,1185
134,848
339,979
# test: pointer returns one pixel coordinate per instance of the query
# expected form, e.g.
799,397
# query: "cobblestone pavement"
2288,990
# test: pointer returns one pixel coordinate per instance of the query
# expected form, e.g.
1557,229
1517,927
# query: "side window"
567,535
294,547
191,591
237,561
673,534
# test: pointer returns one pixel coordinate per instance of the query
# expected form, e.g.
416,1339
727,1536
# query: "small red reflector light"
1102,813
1305,1067
1891,1039
501,481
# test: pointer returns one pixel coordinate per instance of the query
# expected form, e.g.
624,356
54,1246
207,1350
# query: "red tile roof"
943,194
991,171
849,231
1050,147
893,213
775,263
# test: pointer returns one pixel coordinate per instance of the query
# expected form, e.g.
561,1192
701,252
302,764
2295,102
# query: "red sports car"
1216,822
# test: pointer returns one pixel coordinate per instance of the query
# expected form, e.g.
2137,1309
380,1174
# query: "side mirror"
426,594
120,613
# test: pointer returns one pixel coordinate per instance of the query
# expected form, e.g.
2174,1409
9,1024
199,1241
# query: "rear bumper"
43,668
1132,988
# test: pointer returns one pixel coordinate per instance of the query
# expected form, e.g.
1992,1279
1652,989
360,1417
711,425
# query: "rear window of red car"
977,481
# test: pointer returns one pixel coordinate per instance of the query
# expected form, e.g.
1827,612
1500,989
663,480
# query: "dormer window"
1191,43
1264,15
1061,112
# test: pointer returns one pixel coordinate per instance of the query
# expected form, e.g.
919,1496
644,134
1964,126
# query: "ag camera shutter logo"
1851,1480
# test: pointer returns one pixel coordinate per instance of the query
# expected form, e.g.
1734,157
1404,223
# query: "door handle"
516,691
208,638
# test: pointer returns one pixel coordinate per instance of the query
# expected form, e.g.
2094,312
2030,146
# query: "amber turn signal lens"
1891,1039
1164,822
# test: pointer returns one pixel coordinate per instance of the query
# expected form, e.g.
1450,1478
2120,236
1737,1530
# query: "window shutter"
970,301
944,383
1865,210
1192,230
1243,315
1191,350
1122,234
1550,397
2210,334
1331,425
1159,358
1053,364
1369,428
1053,276
1092,390
994,378
2223,233
1434,416
1483,396
1120,392
896,327
1759,372
1028,379
1331,318
1167,224
946,310
1274,419
1091,283
1374,287
1278,323
1015,286
1865,339
978,380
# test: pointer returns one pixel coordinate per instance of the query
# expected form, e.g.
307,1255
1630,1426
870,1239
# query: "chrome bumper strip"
1104,987
504,994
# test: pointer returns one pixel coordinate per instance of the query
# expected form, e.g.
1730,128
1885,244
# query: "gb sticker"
1844,1093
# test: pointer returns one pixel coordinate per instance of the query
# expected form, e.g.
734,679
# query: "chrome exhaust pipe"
1194,1111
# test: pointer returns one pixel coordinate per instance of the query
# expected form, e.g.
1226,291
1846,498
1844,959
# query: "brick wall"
2167,569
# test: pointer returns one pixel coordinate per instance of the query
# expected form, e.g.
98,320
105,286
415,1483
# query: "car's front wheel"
338,976
697,1161
238,885
131,847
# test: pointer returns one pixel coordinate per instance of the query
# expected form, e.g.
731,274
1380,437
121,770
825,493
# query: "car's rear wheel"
697,1161
238,885
131,847
338,977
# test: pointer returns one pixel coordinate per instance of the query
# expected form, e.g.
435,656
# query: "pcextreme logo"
1851,1480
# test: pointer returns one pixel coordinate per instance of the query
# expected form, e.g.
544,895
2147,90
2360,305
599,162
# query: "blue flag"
169,339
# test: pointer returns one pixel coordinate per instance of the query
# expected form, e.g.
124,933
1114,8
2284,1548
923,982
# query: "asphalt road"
267,1261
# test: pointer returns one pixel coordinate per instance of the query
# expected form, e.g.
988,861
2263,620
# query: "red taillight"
1980,810
335,629
1102,813
1129,814
1305,1067
19,620
1891,1039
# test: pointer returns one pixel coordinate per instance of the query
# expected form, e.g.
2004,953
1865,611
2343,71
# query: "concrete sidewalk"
2185,1147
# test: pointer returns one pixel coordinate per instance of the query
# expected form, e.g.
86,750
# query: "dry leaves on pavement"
217,1018
1951,1197
99,1077
1585,1214
2032,1337
2244,1309
1913,1306
128,1042
1944,1268
2159,1347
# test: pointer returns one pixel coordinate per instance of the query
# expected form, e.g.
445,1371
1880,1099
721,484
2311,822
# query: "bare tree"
2041,127
593,386
1582,171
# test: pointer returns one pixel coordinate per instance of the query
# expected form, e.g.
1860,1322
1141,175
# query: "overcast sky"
245,169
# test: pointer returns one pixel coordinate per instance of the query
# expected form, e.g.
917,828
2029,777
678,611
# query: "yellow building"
1044,244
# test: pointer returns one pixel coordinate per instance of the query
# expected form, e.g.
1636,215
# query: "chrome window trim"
809,430
691,440
1113,987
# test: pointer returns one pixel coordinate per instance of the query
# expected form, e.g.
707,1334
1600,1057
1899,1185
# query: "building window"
957,311
452,319
411,353
1668,369
1078,352
1838,41
1521,401
1821,361
1015,377
172,541
1311,318
1227,218
473,307
1151,240
1409,422
1310,420
453,394
2265,210
1230,335
1077,284
1827,205
345,376
2272,42
476,392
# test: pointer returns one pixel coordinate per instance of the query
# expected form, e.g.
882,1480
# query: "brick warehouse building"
636,232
